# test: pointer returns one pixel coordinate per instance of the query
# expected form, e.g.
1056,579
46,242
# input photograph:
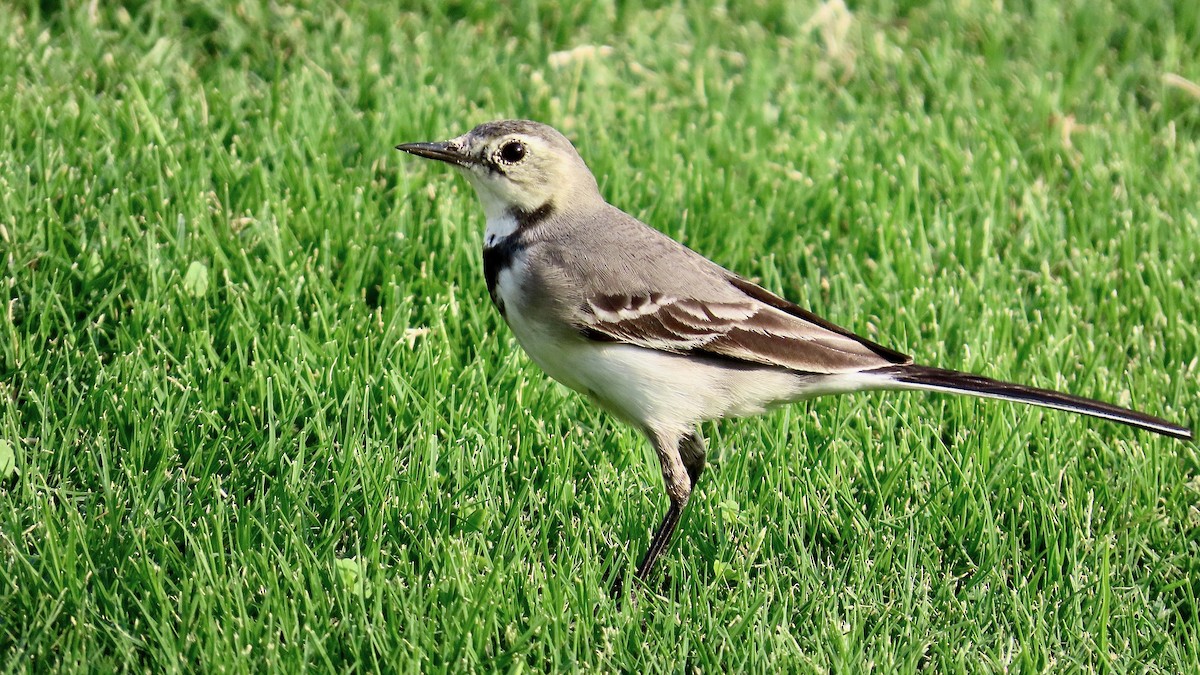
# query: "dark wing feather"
756,327
767,297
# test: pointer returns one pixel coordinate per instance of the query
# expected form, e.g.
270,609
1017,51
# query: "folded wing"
755,327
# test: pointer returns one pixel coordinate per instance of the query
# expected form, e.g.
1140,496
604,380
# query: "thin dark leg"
662,537
691,451
683,462
658,544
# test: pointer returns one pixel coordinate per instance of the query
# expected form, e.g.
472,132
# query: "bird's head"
515,166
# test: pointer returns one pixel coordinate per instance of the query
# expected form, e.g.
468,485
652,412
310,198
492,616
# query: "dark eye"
512,152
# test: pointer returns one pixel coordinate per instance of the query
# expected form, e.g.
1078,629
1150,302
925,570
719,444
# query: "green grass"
264,417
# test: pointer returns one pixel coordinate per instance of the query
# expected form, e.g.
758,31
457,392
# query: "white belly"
649,388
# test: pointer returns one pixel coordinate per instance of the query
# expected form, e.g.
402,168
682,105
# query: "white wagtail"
656,333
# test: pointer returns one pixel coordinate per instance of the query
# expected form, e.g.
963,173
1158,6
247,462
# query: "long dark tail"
939,379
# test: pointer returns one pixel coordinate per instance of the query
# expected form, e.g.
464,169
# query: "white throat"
499,227
496,207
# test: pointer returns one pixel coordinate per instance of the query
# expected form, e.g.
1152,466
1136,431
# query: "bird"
657,334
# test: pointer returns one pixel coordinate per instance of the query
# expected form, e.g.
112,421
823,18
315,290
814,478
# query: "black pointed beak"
442,150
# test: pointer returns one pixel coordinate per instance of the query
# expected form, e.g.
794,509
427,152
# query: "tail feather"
938,379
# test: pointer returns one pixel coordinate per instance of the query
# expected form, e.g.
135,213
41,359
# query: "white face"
516,166
514,171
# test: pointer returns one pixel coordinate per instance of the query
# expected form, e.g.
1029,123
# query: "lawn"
257,413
